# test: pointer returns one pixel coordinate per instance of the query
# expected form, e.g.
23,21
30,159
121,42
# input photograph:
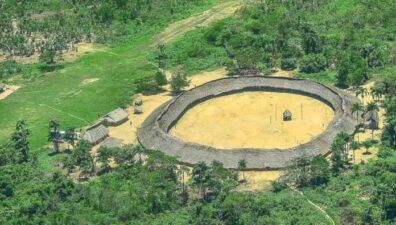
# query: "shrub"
313,63
160,78
288,63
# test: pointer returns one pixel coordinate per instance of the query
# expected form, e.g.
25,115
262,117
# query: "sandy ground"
283,73
258,180
127,131
89,81
366,135
9,90
254,120
82,48
179,28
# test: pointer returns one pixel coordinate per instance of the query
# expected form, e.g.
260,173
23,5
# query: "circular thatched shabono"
153,134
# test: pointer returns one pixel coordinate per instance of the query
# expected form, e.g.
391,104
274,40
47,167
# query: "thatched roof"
287,113
373,116
138,102
96,134
116,117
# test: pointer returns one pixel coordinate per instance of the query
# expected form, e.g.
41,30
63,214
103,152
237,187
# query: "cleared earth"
254,120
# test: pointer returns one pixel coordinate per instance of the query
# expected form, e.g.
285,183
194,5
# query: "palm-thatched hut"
371,120
287,115
137,110
96,133
115,117
2,88
138,102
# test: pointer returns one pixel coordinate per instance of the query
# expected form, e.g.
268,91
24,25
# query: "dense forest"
50,28
331,41
29,27
341,42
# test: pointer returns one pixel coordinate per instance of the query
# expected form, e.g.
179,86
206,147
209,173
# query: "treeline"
351,38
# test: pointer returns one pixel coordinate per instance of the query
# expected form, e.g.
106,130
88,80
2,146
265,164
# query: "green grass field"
61,95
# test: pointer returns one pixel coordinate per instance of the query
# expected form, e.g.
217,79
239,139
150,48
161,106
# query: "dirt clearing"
127,131
8,91
254,120
179,28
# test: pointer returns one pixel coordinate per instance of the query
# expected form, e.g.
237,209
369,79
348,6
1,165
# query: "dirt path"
66,113
179,28
320,209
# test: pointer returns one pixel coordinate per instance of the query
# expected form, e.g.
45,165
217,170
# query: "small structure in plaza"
96,133
115,117
287,115
138,102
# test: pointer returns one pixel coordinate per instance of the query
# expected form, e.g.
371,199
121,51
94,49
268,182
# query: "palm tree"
357,108
54,134
367,144
71,136
183,171
242,167
361,92
354,145
376,93
372,108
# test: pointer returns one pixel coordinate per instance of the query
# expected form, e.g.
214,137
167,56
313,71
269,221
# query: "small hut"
371,121
138,102
2,88
287,115
115,117
96,133
137,110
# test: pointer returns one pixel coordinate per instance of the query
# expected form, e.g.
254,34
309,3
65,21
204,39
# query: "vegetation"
340,42
63,94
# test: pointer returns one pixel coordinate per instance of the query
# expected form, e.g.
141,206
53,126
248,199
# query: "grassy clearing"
61,95
327,77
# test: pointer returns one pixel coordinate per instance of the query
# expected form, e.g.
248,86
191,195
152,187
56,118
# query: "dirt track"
179,28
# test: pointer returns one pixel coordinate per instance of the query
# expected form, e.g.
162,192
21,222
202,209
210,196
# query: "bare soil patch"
89,81
254,120
179,28
258,180
9,90
81,49
127,131
366,134
69,56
